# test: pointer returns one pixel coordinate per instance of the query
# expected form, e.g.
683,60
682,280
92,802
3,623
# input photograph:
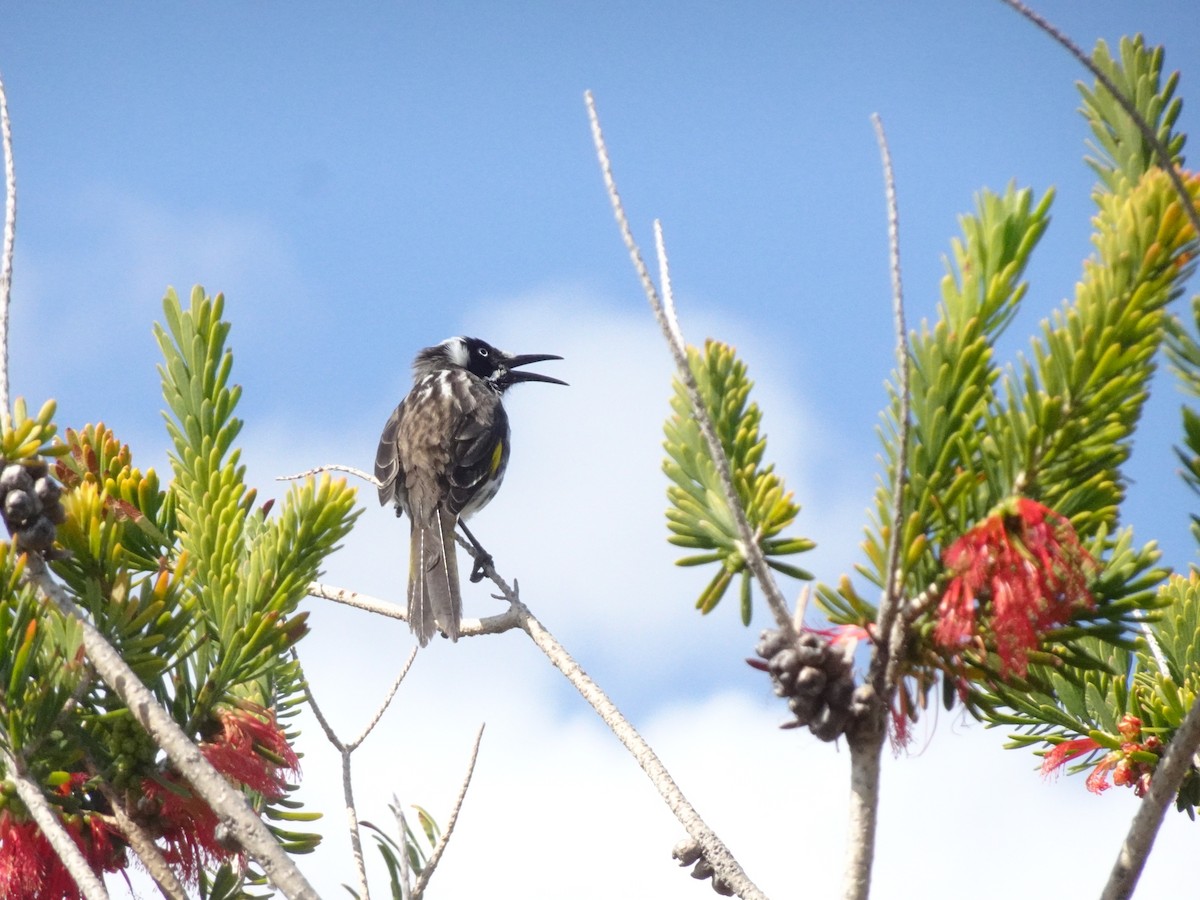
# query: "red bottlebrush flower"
1097,781
1022,571
1119,765
30,868
24,856
249,749
252,749
184,823
1063,753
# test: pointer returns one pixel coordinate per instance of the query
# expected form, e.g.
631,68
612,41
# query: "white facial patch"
456,351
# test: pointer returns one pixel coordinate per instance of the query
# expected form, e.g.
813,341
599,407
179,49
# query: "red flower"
184,823
1022,571
24,855
30,868
253,750
1062,753
1120,765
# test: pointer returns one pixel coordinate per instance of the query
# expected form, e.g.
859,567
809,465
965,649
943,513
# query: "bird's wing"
482,442
387,459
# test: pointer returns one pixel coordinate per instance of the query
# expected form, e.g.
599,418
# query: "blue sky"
362,181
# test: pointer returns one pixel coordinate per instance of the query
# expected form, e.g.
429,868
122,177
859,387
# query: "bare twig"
332,467
52,827
1168,776
893,597
418,890
347,750
244,826
143,845
1160,152
664,313
387,701
402,830
356,849
6,255
891,626
715,851
505,621
519,616
358,600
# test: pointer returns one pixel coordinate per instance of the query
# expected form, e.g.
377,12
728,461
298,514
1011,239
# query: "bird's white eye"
482,351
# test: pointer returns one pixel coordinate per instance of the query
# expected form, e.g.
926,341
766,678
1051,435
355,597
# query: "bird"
441,458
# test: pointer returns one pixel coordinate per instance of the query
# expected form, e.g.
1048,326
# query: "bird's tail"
434,599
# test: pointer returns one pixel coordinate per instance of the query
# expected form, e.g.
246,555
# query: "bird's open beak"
516,377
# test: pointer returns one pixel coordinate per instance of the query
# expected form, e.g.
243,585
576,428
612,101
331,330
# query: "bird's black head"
482,360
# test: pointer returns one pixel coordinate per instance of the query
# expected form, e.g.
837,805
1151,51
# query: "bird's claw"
479,571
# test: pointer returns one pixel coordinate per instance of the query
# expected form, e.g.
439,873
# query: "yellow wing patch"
497,455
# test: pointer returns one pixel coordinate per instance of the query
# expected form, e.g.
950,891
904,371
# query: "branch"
722,861
402,830
143,846
1161,153
387,701
52,828
245,828
331,467
418,890
866,738
884,673
498,624
6,255
346,750
519,616
1168,776
664,312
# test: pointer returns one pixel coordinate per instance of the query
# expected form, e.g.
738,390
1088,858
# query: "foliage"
997,453
699,516
196,588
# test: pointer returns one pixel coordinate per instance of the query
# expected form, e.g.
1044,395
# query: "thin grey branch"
497,624
356,849
418,890
670,327
387,701
6,254
346,750
244,826
332,467
891,627
402,830
1168,776
52,828
519,616
893,596
1160,152
714,850
330,734
358,600
143,846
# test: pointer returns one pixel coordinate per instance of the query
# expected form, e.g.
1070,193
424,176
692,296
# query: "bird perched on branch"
441,458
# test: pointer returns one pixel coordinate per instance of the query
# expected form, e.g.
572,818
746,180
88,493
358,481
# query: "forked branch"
664,312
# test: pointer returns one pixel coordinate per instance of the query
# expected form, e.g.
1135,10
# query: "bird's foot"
479,571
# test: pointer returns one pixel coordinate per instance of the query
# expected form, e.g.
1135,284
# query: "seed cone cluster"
816,677
30,504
